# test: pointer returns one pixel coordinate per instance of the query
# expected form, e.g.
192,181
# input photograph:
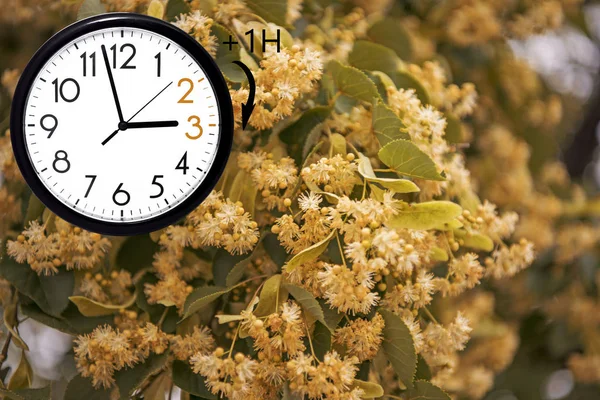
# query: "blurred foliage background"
535,65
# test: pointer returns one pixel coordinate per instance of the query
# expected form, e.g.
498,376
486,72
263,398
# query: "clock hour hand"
112,84
112,135
152,124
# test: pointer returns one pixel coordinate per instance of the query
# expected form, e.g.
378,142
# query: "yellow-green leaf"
389,32
352,82
35,209
156,9
424,390
23,375
10,321
372,390
386,125
227,318
398,347
271,296
91,308
423,216
454,133
396,185
438,254
478,241
309,254
371,56
406,158
338,144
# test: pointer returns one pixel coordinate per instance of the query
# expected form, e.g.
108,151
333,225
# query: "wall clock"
121,124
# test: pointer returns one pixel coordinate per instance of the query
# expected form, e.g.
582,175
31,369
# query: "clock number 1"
158,64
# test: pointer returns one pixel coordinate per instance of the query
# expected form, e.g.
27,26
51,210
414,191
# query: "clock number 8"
60,159
119,190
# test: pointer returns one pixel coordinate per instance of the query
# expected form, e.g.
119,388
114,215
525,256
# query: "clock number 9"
52,128
60,160
119,190
195,125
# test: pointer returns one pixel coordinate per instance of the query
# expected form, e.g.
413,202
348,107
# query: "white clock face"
130,154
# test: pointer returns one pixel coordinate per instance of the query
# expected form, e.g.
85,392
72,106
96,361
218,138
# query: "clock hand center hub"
122,126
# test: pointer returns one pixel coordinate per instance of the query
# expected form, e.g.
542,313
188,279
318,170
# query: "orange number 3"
195,125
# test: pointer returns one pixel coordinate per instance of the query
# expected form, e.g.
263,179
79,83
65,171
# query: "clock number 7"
93,179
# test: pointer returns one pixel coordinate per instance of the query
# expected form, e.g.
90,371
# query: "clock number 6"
60,160
119,190
195,125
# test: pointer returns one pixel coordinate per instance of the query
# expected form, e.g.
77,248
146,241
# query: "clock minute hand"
152,124
112,83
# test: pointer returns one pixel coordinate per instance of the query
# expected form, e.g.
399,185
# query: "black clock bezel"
121,20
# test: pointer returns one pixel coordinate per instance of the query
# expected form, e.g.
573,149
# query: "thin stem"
312,350
430,315
337,237
237,331
162,317
383,170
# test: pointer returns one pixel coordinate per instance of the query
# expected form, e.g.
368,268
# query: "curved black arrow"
249,106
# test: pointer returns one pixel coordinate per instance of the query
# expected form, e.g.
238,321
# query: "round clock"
121,124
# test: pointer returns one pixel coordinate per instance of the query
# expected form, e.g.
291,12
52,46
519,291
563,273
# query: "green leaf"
271,296
372,390
91,308
405,80
390,33
309,304
156,9
202,296
35,209
386,125
129,379
136,253
296,132
309,254
423,371
225,58
396,185
424,216
237,272
406,158
271,10
352,82
81,388
331,315
454,133
176,7
50,293
28,394
23,375
186,379
10,321
89,8
424,390
223,264
321,340
398,347
373,57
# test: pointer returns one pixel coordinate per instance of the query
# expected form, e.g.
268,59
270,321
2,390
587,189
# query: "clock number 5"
160,187
195,125
121,191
